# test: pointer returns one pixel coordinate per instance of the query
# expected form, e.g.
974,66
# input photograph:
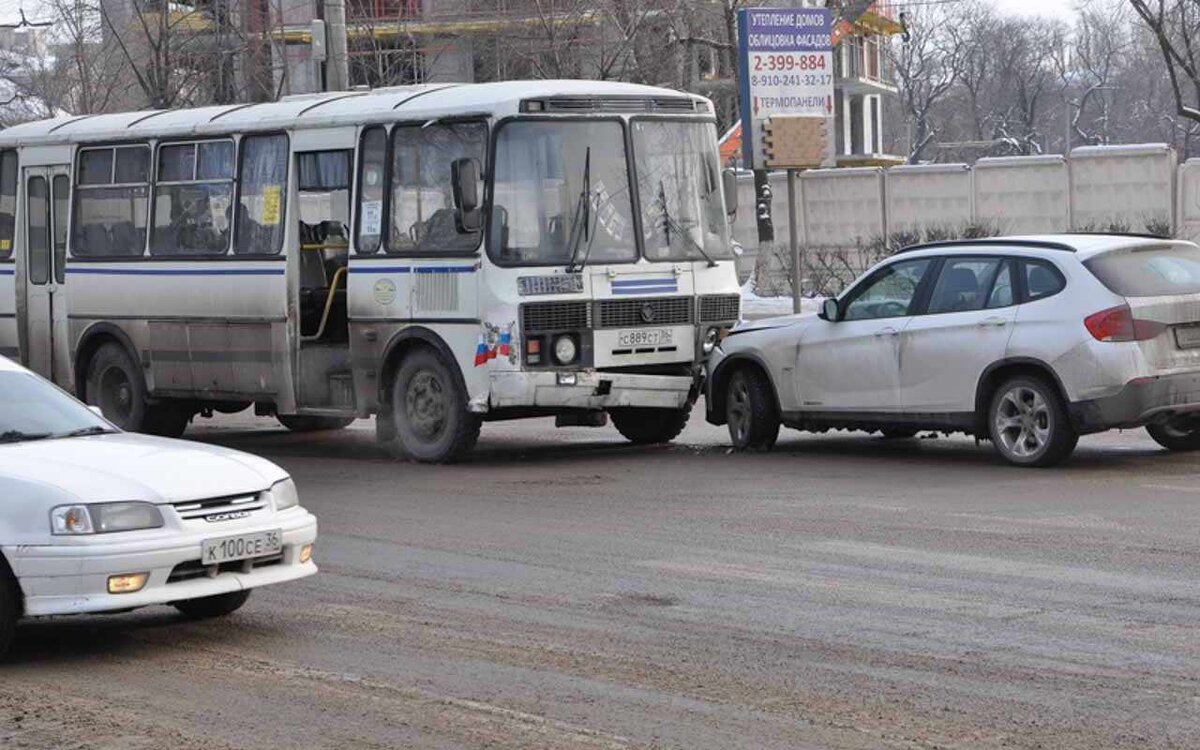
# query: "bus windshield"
561,194
679,183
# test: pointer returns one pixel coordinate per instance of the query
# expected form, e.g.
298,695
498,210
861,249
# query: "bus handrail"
337,276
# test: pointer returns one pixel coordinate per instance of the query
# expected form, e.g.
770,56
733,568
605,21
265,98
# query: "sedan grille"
554,316
634,313
717,308
239,504
186,571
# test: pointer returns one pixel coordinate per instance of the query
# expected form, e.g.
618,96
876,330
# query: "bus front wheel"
647,426
429,410
115,384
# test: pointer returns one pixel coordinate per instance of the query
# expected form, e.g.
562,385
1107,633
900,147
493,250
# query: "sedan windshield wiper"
95,429
16,436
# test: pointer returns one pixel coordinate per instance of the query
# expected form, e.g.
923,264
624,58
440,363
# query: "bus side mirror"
831,311
464,177
730,188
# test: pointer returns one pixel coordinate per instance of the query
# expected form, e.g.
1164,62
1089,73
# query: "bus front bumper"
591,390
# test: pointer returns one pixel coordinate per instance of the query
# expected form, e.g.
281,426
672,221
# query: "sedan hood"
126,466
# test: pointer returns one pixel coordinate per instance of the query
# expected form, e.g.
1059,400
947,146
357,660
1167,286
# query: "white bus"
437,256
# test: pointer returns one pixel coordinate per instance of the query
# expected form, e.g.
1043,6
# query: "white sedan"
93,519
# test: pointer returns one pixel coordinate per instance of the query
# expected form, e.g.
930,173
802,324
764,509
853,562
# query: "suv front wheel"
750,411
1029,424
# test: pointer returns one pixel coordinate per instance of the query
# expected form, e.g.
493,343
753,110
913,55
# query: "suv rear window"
1154,271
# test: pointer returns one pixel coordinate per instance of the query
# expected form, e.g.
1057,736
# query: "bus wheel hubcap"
116,394
425,405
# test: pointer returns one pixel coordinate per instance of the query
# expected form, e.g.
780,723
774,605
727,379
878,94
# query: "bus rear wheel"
115,384
647,426
308,423
429,410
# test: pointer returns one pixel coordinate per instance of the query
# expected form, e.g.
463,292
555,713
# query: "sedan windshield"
679,183
32,409
561,194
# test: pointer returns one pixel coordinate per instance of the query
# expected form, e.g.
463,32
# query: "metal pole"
794,241
337,72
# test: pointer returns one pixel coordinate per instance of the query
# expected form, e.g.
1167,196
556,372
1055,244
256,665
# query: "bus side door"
47,198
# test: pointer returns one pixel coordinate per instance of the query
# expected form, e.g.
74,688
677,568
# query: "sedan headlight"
104,518
284,494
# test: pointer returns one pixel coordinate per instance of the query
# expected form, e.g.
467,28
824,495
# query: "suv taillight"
1118,324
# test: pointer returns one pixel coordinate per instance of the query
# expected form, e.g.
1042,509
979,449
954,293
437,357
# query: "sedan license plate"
1187,337
241,547
645,337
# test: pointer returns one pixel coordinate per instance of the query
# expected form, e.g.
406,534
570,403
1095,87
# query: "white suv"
1027,341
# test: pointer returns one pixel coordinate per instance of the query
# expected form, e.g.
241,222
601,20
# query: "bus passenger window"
423,215
371,190
8,202
111,202
193,199
262,199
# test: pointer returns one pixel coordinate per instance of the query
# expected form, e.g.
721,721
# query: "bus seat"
124,239
95,240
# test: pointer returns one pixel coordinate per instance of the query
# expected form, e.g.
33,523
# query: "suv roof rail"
1139,235
999,241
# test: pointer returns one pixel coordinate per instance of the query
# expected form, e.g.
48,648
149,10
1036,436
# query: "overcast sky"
1053,8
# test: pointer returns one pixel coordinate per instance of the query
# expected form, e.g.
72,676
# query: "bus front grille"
635,313
718,308
554,316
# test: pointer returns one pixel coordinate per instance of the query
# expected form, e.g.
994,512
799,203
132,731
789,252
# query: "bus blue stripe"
176,271
412,269
642,282
7,272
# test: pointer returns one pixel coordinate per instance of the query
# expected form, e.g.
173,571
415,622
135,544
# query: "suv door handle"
993,322
889,331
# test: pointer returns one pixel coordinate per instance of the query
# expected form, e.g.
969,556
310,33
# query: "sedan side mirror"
730,187
831,311
464,178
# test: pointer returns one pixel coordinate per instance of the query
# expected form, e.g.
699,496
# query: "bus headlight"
565,350
711,337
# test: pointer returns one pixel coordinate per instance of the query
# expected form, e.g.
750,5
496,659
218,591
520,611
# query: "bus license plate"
1187,337
645,337
241,547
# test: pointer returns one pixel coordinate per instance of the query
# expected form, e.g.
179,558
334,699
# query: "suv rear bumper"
1139,403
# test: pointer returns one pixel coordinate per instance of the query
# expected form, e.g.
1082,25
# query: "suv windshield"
561,194
1154,271
679,184
32,409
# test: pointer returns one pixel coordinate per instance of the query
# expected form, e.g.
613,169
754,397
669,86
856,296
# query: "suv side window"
1041,279
963,285
1002,294
890,294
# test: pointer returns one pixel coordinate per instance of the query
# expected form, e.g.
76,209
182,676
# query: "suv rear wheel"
1176,435
1029,424
750,411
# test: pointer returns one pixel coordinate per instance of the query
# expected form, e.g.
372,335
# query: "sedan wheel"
1029,423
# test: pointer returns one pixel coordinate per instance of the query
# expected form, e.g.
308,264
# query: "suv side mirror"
831,311
464,178
730,188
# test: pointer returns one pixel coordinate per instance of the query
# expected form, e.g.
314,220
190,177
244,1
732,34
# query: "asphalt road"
564,590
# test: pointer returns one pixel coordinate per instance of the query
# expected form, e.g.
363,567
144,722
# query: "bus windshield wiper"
670,224
16,436
583,210
95,429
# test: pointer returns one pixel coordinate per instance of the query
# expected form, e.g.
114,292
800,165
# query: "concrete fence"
1132,188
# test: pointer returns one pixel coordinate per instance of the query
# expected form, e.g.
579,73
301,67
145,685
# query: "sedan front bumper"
67,579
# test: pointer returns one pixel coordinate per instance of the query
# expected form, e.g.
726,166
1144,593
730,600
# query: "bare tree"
927,66
1175,25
